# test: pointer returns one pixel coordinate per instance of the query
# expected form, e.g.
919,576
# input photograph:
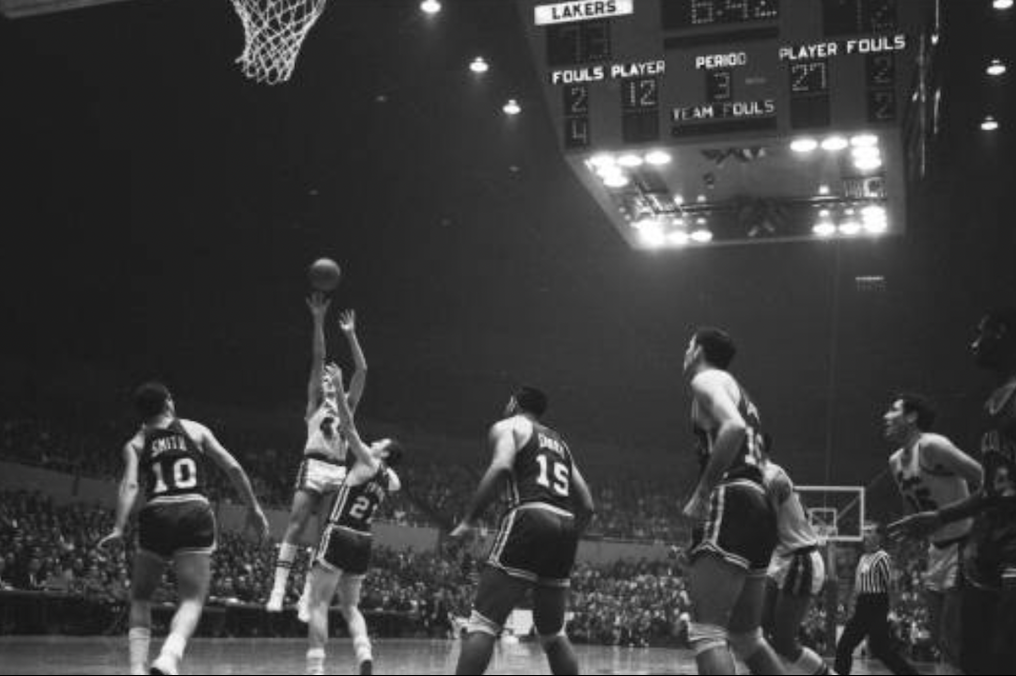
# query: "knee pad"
706,637
548,641
747,644
479,624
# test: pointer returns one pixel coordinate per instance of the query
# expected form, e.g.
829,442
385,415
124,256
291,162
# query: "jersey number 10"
562,480
185,475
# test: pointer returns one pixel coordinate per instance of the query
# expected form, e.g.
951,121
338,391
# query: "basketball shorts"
801,574
169,528
740,529
537,543
345,551
320,476
943,567
990,557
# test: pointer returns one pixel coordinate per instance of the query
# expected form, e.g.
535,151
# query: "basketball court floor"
58,655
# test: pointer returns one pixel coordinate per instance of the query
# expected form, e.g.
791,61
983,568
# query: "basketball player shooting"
735,533
324,464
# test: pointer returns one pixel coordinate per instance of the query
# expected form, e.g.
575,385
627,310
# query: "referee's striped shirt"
874,574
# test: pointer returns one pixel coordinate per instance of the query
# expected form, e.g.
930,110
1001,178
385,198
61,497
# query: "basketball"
325,275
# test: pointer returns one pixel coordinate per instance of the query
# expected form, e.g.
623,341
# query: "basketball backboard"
13,9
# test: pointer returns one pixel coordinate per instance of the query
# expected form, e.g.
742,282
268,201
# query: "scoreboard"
735,121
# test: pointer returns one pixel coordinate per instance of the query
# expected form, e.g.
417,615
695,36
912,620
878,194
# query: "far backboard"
14,9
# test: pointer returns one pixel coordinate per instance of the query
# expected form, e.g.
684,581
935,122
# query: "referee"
871,610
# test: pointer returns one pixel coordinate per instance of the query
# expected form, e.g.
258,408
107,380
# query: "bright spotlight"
823,190
1003,4
678,238
824,229
702,236
850,228
512,108
616,181
430,6
602,160
609,170
658,157
652,234
868,164
835,144
989,123
630,161
996,68
479,65
678,200
804,145
864,141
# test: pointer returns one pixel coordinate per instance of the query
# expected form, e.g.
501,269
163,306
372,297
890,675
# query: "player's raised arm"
714,399
318,306
945,455
504,446
356,445
256,518
128,494
358,383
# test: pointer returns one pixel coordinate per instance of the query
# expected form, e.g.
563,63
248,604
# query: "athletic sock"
811,664
287,555
362,648
316,661
174,647
139,639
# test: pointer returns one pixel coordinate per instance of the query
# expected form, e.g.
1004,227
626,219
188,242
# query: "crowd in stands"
629,506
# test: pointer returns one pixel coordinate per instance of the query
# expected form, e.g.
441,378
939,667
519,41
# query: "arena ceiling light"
996,68
989,123
616,181
512,108
430,7
658,158
678,238
602,160
835,144
850,228
630,161
824,229
864,141
804,145
702,236
1003,4
824,190
479,65
652,234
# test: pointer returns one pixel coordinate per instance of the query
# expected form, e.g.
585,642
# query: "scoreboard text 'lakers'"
736,121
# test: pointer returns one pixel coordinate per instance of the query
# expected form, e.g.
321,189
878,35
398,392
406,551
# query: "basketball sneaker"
165,666
367,668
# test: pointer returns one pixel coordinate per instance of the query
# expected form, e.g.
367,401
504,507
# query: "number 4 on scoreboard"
576,133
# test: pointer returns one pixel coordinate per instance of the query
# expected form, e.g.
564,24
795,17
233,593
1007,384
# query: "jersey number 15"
562,479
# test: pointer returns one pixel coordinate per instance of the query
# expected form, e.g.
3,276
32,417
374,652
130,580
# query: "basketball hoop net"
274,32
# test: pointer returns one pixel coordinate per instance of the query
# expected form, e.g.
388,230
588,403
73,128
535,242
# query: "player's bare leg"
746,636
147,577
193,575
497,595
322,591
549,604
304,505
715,587
787,615
349,605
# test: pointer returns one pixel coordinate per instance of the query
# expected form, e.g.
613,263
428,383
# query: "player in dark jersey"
735,533
989,565
343,557
549,505
177,524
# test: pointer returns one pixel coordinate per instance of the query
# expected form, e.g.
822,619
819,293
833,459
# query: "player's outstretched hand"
464,531
112,538
915,527
347,322
318,305
258,522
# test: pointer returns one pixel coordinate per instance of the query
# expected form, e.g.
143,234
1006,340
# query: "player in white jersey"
324,464
797,574
932,473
